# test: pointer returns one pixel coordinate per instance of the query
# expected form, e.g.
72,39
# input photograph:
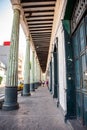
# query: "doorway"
80,64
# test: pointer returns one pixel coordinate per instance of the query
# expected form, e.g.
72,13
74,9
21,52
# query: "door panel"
80,62
85,109
77,74
79,105
76,45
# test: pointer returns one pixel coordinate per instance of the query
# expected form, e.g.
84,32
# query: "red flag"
6,43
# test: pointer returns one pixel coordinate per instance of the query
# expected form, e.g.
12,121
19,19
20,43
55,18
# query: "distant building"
2,73
4,54
20,69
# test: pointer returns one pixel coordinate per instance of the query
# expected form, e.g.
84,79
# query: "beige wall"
58,16
58,32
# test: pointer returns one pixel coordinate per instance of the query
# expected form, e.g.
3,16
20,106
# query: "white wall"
62,68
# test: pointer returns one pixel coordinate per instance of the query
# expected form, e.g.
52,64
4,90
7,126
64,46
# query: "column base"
54,96
26,94
32,87
58,103
26,90
10,102
35,85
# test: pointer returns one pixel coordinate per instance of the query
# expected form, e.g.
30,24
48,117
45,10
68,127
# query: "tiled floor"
37,112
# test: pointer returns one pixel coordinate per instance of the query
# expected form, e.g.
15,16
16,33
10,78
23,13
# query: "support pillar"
32,69
51,76
26,88
34,65
10,102
37,71
37,74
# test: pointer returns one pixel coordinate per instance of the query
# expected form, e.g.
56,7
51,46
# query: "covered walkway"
37,112
56,51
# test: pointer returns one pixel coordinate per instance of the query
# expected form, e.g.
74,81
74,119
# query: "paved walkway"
37,112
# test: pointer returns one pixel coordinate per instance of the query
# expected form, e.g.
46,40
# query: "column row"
10,102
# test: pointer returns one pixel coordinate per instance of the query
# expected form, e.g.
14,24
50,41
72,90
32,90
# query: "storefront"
79,39
78,35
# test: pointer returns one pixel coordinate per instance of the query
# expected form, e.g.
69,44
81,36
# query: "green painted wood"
12,69
50,76
55,76
66,25
80,64
71,97
69,9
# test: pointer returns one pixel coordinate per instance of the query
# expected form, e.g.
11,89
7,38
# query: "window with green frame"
82,37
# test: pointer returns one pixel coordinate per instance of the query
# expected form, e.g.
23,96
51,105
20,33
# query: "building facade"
69,53
67,58
2,73
4,53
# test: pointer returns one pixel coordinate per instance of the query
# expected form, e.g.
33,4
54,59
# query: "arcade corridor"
56,51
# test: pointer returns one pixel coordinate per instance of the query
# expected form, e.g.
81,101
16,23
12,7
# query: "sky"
6,16
6,19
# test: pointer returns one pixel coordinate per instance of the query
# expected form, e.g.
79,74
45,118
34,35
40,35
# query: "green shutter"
71,108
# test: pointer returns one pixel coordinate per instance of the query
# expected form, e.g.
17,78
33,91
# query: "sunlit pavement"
37,112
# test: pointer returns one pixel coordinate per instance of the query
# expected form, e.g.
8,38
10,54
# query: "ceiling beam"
37,16
39,11
38,6
38,3
25,1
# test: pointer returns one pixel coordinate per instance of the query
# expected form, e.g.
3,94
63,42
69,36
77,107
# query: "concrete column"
10,102
33,70
38,71
36,75
26,88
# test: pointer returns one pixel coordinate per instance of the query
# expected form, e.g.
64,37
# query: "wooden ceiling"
39,15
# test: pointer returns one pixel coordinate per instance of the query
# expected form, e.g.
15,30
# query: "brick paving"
37,112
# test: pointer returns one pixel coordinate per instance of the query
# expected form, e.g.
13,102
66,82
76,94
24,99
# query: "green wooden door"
80,63
56,88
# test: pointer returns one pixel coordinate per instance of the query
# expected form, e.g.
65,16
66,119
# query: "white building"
4,53
2,73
